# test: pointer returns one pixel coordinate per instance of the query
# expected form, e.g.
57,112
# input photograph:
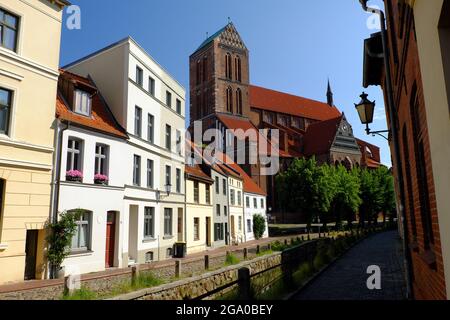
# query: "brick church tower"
219,76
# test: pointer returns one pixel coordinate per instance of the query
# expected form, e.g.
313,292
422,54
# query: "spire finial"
329,94
207,34
229,20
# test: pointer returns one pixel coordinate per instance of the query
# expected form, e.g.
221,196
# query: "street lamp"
366,109
168,188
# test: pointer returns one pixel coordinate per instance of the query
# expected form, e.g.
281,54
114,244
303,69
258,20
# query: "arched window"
198,71
230,100
205,69
237,66
228,67
199,105
239,101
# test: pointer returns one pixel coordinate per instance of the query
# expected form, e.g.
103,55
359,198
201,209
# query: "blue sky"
295,45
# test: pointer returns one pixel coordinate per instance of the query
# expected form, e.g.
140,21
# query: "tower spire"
330,101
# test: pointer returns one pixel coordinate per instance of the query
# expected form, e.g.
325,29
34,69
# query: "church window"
230,100
239,101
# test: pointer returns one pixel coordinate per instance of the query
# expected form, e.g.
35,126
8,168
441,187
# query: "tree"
347,198
259,226
386,184
60,237
305,187
371,196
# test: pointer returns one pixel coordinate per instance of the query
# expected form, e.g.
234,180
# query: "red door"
110,239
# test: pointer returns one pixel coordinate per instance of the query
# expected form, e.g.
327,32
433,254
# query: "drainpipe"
395,141
56,178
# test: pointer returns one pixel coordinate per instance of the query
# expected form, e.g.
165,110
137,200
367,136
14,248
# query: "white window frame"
149,223
101,159
79,98
72,153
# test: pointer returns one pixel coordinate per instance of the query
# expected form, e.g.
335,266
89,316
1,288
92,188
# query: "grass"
231,260
143,281
264,253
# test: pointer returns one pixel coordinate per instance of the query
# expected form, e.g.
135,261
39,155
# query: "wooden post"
134,274
258,249
244,284
285,242
71,283
245,253
269,247
177,268
206,262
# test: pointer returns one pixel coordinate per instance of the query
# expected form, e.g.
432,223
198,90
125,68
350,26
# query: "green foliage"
259,226
306,187
60,237
231,259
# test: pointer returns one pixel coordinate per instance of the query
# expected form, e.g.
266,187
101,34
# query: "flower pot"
101,182
74,179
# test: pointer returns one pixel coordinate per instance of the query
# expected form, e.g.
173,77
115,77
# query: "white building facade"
150,105
255,204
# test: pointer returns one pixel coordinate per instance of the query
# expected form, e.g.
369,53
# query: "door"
180,225
232,229
227,236
30,254
110,239
208,232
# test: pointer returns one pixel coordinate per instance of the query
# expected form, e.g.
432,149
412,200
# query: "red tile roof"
271,100
375,149
101,118
249,185
196,171
320,136
236,123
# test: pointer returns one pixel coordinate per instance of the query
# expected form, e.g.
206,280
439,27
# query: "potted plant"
101,179
74,175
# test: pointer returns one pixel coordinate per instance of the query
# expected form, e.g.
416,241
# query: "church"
222,98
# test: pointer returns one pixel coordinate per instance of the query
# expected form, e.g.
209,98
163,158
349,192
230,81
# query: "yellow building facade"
29,58
199,210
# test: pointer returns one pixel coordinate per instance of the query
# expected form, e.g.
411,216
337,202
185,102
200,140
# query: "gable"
344,140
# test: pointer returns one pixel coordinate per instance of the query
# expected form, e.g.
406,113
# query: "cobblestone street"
346,279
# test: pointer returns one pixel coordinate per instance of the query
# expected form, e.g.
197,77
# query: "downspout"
56,178
395,141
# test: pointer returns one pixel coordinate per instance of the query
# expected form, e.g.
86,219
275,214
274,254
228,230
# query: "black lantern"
366,109
168,189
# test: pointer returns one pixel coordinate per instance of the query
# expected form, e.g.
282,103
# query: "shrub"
259,226
81,294
231,259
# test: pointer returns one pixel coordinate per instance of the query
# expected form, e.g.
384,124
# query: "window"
168,137
151,128
255,203
237,62
218,210
5,110
168,222
262,203
139,76
168,175
196,192
208,194
101,159
151,86
149,257
82,102
178,106
228,67
150,177
225,211
224,187
205,69
137,171
9,27
81,238
409,183
74,153
239,101
232,196
178,181
229,95
169,99
196,229
179,142
149,223
247,202
239,198
249,225
217,185
240,223
138,121
198,72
